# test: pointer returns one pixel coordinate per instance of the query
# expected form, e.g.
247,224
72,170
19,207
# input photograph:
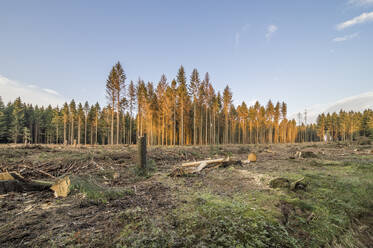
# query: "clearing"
113,206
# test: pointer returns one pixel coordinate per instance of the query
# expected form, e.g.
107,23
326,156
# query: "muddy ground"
149,206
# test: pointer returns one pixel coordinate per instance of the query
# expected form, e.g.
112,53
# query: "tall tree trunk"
79,121
182,124
206,129
96,138
85,130
194,124
72,131
130,134
118,126
57,134
201,127
174,124
112,128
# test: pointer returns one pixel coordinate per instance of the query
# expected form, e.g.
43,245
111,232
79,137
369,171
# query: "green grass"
95,192
206,220
335,199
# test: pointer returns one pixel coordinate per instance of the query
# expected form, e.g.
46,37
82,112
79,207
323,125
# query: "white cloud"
271,29
29,93
237,37
364,17
353,103
346,37
51,92
361,2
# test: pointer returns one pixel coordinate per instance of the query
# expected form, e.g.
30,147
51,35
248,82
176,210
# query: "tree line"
345,126
177,112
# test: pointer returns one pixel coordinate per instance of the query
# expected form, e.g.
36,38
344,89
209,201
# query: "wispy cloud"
346,37
271,29
29,93
238,34
363,18
360,2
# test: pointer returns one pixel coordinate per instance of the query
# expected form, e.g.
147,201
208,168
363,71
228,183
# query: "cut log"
198,166
62,187
197,163
20,184
252,157
4,176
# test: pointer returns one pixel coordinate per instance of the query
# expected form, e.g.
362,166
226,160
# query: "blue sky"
302,52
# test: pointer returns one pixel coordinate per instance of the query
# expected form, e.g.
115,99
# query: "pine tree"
72,112
193,89
120,87
2,122
86,111
131,103
111,96
227,101
80,115
17,119
182,99
66,114
56,122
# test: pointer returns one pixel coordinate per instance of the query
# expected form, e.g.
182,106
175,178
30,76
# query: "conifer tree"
182,99
72,112
193,89
111,96
131,104
17,119
227,101
66,113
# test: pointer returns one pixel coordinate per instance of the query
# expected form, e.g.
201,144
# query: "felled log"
14,182
198,166
196,163
17,183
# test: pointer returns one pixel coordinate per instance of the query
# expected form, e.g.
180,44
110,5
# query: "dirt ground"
37,219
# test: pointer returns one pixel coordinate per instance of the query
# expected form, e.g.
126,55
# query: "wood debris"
198,166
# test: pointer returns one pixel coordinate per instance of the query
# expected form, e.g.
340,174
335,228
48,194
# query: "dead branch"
40,171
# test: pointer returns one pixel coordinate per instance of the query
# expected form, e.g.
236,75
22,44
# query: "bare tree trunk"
141,152
112,128
96,138
206,130
200,127
118,126
182,124
79,121
194,125
174,135
64,132
57,133
85,130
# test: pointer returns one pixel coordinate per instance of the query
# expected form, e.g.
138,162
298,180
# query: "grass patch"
324,213
206,221
94,192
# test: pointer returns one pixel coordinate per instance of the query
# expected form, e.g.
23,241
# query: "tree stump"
141,153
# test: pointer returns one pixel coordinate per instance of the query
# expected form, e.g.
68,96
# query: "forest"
180,112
